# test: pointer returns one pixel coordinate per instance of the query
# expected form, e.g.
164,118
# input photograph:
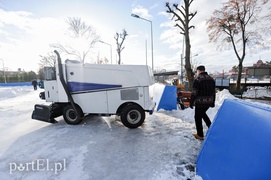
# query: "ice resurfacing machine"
80,89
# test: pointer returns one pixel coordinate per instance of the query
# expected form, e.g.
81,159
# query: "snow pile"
12,92
257,92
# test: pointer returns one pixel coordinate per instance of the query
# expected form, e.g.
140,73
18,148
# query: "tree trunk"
119,61
189,71
239,76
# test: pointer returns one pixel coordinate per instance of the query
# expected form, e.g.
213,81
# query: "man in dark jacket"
203,96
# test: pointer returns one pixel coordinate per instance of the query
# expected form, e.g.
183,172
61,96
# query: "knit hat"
201,68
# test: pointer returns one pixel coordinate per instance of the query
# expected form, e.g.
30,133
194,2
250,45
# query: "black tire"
181,106
180,103
132,116
70,115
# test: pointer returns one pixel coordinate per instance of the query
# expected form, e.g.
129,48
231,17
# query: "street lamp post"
146,52
137,16
4,70
110,48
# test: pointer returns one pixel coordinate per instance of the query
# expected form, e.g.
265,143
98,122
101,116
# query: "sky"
28,27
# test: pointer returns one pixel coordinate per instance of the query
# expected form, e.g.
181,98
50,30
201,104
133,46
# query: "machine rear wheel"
132,116
70,115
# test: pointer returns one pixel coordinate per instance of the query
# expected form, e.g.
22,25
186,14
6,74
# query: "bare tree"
101,60
239,24
183,16
234,69
47,61
195,63
120,37
83,38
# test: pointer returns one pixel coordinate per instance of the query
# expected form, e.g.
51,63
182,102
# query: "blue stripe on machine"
81,86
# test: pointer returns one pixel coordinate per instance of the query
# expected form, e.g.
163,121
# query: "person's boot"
198,137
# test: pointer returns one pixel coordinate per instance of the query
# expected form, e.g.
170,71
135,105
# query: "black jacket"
203,93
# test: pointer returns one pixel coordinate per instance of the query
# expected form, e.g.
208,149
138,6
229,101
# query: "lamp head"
134,15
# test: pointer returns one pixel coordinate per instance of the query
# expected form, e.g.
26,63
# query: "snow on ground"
258,92
100,147
11,92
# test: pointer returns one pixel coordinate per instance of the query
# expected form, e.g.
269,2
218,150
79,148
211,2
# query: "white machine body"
101,88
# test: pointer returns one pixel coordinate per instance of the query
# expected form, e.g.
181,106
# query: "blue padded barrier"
238,144
168,99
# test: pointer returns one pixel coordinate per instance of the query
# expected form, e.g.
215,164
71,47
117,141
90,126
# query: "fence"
16,84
